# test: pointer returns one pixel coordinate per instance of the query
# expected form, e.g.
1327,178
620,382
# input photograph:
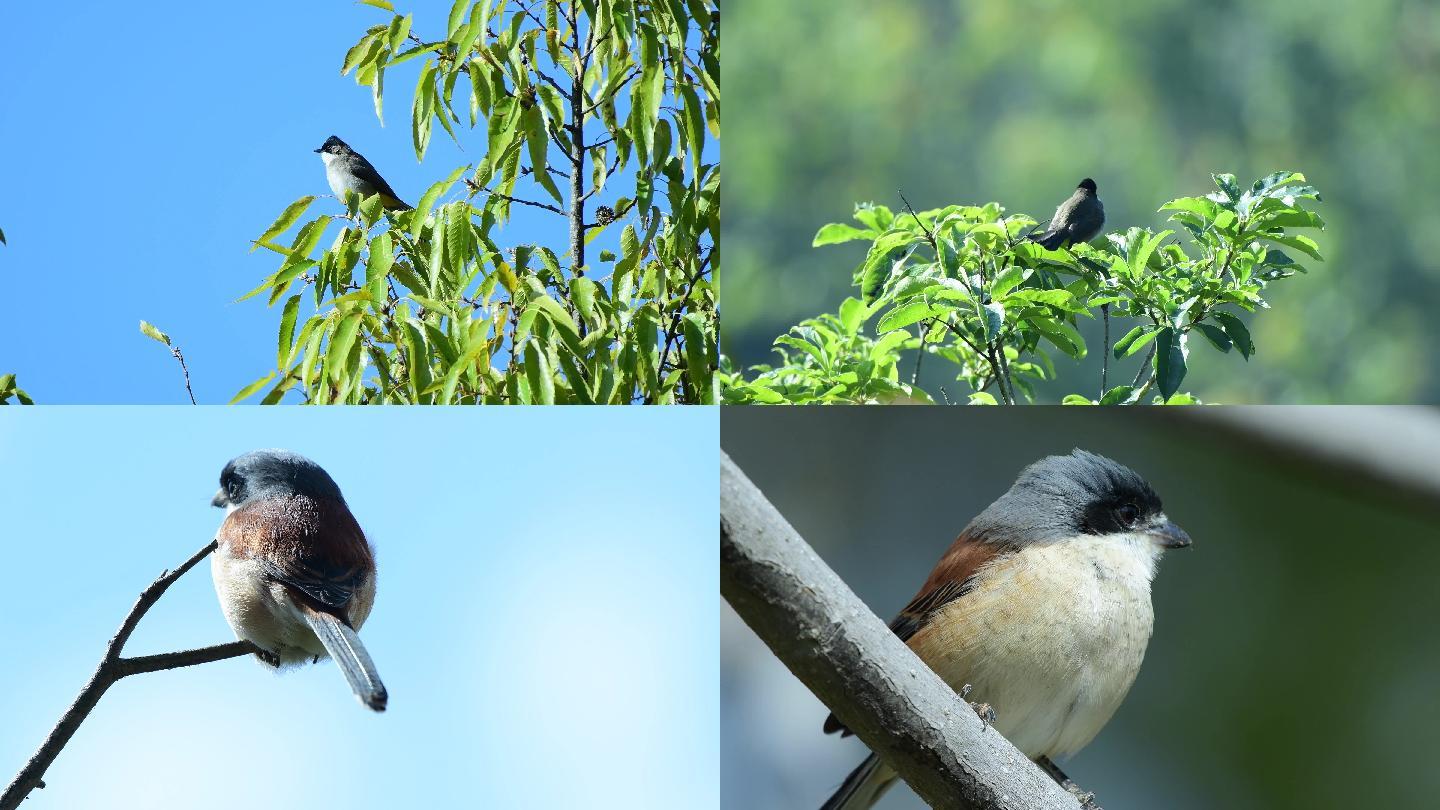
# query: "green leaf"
582,292
538,375
1302,243
384,4
698,357
1063,335
1237,333
837,232
457,15
1215,335
1170,357
983,398
1118,395
906,314
341,344
1007,281
287,218
423,111
1076,399
1135,340
878,268
250,390
994,319
154,334
287,331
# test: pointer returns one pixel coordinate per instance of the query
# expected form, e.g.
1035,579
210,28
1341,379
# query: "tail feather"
863,787
1050,240
350,655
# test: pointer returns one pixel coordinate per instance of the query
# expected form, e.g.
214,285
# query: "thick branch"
876,685
111,669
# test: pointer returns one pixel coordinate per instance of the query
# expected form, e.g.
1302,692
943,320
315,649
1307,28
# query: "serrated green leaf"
539,376
287,331
250,390
282,223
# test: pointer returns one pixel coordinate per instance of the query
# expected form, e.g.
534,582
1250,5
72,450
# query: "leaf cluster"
999,308
427,306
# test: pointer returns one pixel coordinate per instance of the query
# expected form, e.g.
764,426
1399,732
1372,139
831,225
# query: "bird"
1077,220
1040,608
348,170
293,571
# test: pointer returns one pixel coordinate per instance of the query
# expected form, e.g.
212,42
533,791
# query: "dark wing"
1086,220
367,174
953,577
1057,231
332,589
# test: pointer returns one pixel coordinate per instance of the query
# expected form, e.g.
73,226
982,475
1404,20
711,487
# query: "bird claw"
1085,797
986,713
984,710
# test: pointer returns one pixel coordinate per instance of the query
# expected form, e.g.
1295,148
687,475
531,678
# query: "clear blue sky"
545,623
145,147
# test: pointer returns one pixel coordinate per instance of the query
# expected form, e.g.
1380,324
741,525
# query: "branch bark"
112,668
846,655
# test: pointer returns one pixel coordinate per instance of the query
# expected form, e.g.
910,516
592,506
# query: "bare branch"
112,668
875,684
175,350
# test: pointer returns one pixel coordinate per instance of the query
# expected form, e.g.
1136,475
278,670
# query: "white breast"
1052,637
335,176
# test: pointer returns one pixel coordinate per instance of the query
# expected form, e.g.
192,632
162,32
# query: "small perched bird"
294,572
1041,609
346,169
1077,220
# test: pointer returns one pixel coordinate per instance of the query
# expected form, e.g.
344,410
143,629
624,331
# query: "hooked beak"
220,500
1168,535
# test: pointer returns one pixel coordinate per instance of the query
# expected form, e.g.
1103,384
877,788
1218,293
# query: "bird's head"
272,474
1087,183
334,146
1061,497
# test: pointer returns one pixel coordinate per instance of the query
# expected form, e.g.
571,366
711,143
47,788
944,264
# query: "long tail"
863,787
349,654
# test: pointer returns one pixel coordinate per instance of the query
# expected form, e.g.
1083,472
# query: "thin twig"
929,237
175,350
1105,356
112,668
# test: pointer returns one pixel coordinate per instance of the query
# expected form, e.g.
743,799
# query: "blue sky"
143,151
545,621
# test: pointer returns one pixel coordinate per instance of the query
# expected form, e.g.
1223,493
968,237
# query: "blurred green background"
1294,661
835,102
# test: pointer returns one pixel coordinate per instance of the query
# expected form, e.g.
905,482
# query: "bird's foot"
985,711
1085,797
268,658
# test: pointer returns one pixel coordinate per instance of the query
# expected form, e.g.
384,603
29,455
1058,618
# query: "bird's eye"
1127,514
232,489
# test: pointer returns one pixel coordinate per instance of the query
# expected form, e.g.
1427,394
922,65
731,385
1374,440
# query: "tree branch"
876,685
112,668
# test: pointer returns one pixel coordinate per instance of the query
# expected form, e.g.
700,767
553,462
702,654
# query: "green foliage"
997,306
9,389
424,306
